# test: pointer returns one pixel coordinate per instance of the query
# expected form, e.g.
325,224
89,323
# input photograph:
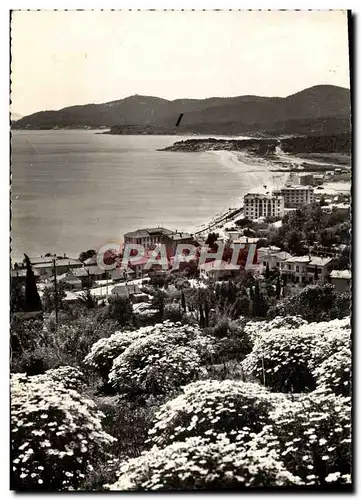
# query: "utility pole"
56,292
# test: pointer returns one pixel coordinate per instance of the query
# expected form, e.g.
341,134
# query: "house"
258,205
218,270
306,269
178,238
133,292
70,280
149,236
273,256
18,276
295,196
88,275
121,274
341,280
62,265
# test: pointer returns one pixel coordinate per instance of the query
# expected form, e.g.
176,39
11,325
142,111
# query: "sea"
72,190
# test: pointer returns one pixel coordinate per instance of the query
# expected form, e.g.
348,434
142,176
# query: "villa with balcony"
307,269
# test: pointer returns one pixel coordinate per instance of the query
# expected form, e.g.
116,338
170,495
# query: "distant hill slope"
325,108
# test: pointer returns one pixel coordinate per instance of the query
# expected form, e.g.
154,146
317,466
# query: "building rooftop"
58,263
266,196
148,232
293,187
312,260
21,273
345,275
219,265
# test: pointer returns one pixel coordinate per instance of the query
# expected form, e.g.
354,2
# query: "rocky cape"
334,143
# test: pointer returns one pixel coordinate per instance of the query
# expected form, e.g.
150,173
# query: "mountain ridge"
150,114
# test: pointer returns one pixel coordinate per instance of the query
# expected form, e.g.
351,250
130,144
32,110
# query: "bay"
75,189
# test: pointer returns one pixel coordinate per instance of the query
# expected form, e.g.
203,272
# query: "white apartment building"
263,205
296,196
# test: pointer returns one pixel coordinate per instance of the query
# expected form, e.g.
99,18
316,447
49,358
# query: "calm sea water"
74,190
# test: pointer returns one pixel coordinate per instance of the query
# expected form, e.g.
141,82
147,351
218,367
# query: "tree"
278,288
87,255
211,239
121,310
158,301
50,297
32,298
17,297
183,300
87,299
267,272
259,304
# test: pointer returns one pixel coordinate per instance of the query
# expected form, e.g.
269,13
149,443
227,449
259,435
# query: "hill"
323,108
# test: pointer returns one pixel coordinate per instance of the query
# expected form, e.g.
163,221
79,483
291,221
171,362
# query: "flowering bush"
334,374
197,464
255,329
207,408
70,377
56,434
312,437
104,352
285,359
154,365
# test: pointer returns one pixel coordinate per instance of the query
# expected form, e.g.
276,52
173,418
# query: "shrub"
334,374
103,352
197,464
312,437
68,376
56,434
68,344
254,329
210,407
154,365
284,359
280,361
314,303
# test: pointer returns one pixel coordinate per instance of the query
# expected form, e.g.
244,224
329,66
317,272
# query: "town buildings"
149,237
263,205
307,269
341,280
296,196
271,256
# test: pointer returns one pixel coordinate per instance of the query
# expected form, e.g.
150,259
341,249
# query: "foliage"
121,310
56,434
334,374
197,464
105,350
154,365
32,298
42,348
208,408
312,437
51,298
284,359
313,303
86,255
87,299
255,329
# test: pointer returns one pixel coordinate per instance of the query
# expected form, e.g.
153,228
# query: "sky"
63,58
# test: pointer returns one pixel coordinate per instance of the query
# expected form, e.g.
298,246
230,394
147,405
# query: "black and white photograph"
180,250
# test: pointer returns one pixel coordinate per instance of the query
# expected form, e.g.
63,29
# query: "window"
289,267
297,269
264,263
